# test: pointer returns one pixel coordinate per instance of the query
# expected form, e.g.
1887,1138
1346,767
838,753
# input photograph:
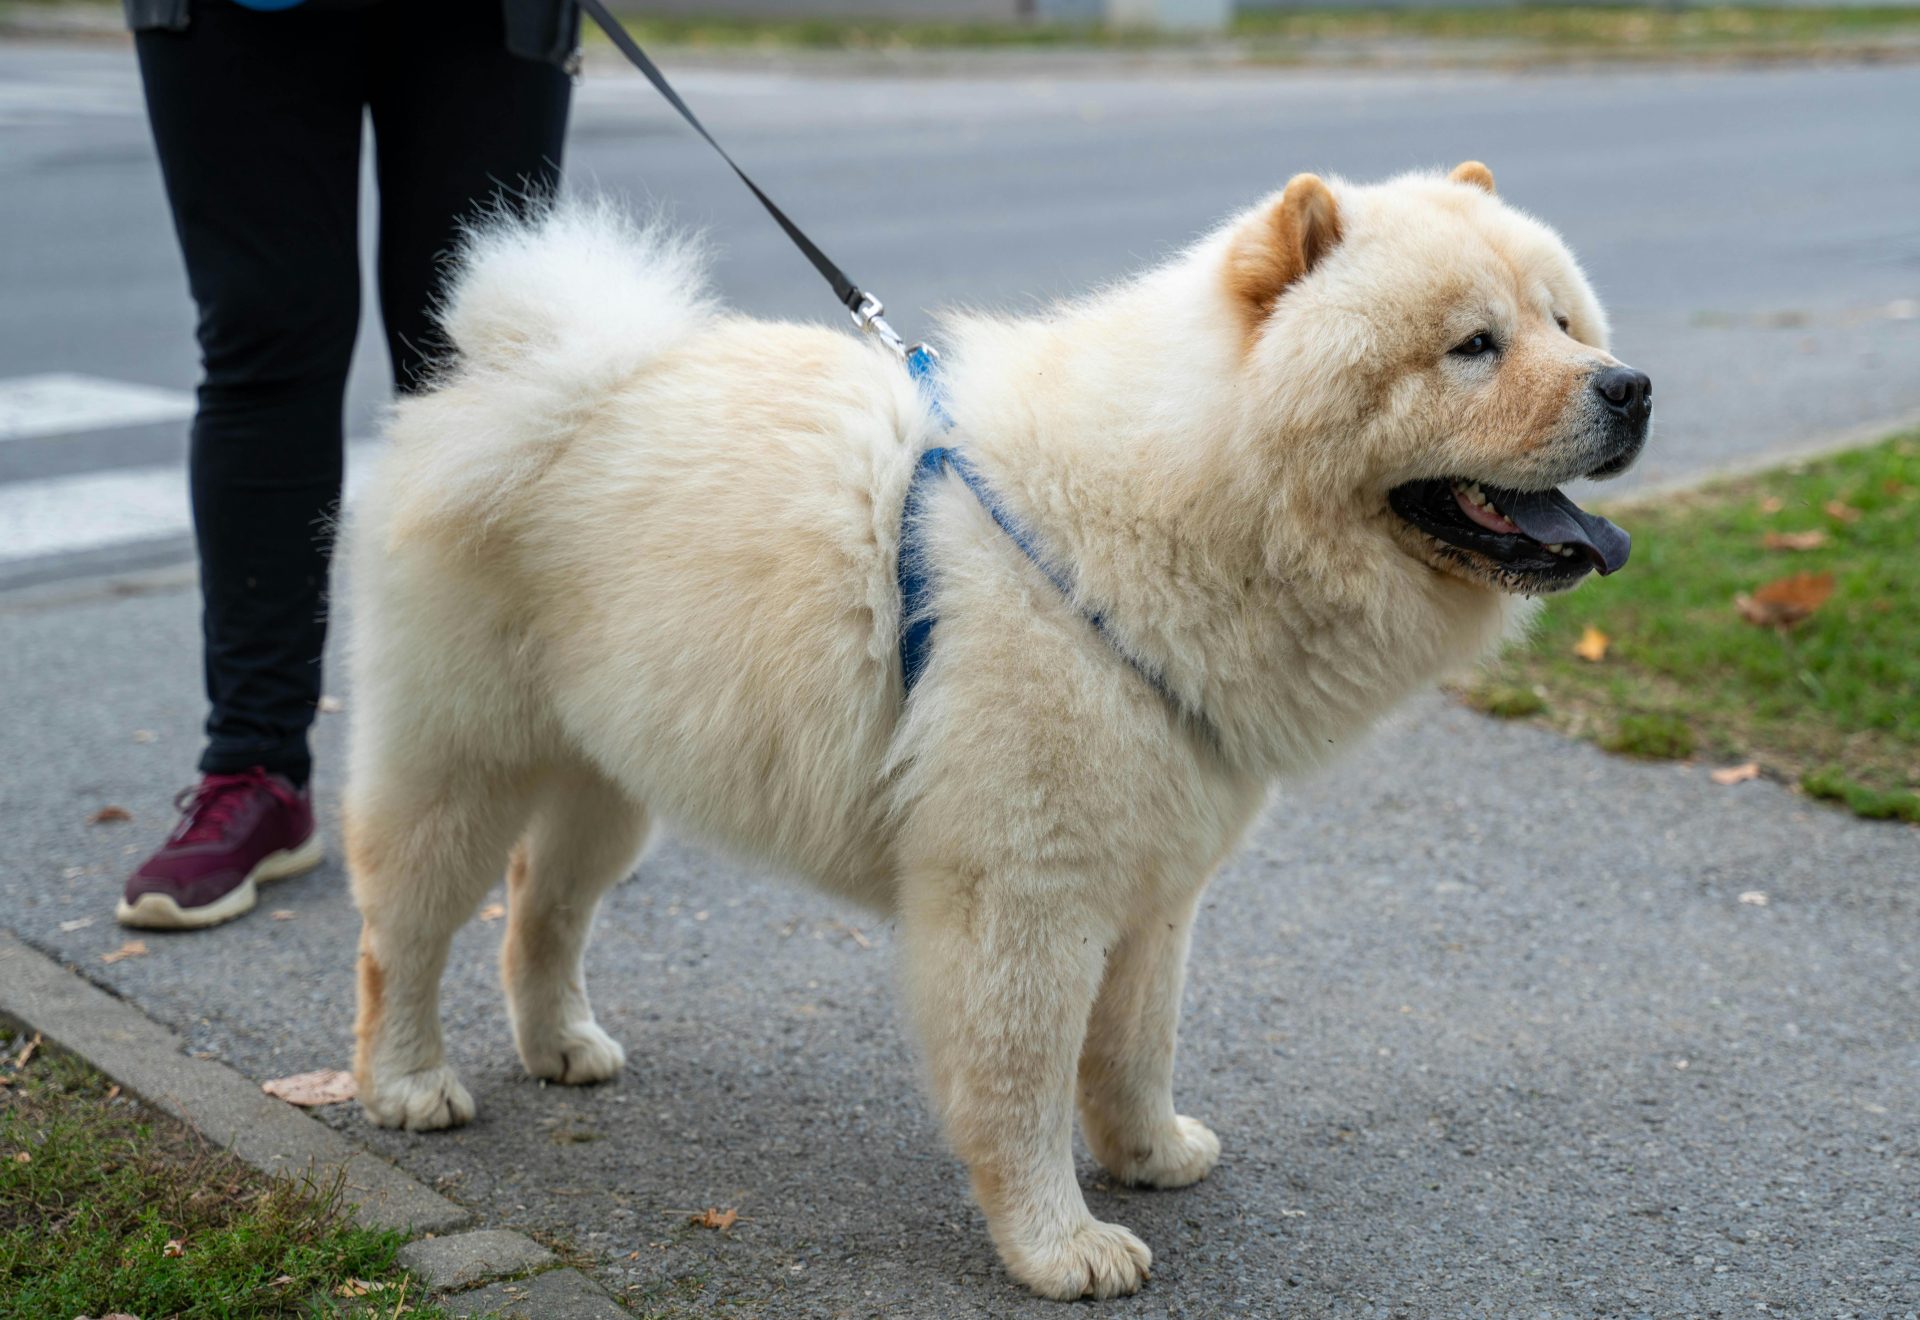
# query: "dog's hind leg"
422,851
585,835
1001,972
1126,1066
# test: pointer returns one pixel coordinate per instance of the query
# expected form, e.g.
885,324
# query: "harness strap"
916,589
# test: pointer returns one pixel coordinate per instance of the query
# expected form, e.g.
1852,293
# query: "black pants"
257,117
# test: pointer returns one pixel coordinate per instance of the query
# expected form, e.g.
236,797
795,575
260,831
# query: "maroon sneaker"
235,831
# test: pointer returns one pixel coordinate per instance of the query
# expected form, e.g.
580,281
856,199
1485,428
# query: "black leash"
865,307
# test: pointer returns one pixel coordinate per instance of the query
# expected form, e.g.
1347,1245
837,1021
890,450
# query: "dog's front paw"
1096,1260
575,1055
421,1101
1176,1156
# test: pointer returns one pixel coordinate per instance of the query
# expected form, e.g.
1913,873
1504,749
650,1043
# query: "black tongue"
1550,517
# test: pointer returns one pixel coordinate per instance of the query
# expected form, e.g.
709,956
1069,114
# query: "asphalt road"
1490,1023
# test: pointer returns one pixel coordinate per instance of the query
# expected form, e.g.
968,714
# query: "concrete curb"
448,1264
230,1110
555,1295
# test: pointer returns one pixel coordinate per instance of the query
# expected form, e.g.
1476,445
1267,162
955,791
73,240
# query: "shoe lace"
211,806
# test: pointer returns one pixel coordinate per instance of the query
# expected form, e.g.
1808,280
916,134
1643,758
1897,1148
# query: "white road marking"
61,514
62,403
35,96
95,510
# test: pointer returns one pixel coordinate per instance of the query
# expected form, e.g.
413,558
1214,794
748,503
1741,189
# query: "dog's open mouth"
1519,540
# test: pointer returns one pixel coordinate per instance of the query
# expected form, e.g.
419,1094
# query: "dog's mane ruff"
546,313
1199,526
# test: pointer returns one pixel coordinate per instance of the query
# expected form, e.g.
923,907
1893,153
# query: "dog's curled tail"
578,293
546,313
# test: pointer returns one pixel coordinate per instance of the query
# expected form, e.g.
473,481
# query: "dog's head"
1449,361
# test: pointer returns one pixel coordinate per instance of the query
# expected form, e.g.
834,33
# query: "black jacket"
538,29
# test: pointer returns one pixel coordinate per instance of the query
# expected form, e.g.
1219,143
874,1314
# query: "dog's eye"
1474,347
1566,326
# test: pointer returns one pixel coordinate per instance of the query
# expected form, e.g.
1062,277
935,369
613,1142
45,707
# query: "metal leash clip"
868,317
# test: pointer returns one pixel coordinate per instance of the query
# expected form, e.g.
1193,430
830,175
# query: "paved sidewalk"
1483,1019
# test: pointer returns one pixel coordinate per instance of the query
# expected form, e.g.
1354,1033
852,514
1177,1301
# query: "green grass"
1599,26
1832,703
1651,736
1572,30
87,1218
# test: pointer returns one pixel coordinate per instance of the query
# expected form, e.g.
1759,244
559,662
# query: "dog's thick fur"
634,559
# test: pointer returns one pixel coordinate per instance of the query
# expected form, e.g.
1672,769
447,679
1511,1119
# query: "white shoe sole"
160,912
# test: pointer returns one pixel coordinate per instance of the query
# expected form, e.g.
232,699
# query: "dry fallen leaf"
712,1218
131,949
1807,540
109,813
174,1248
78,923
327,1086
1592,645
1736,774
1785,601
1840,509
1754,897
1772,504
26,1053
23,1158
360,1288
113,1092
493,912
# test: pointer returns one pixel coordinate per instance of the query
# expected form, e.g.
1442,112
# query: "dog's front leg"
1126,1067
1002,972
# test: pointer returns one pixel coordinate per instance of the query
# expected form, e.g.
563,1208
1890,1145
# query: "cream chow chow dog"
634,561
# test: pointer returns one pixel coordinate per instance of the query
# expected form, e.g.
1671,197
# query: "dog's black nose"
1628,393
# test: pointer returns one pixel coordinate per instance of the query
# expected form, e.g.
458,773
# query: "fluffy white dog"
635,559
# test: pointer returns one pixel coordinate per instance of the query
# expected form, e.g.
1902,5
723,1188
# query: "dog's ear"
1277,248
1473,172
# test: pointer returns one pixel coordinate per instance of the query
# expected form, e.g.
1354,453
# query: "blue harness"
917,618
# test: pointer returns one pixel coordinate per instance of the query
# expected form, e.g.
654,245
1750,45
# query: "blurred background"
1741,182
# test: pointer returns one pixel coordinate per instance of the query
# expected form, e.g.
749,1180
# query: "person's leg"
257,118
460,126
